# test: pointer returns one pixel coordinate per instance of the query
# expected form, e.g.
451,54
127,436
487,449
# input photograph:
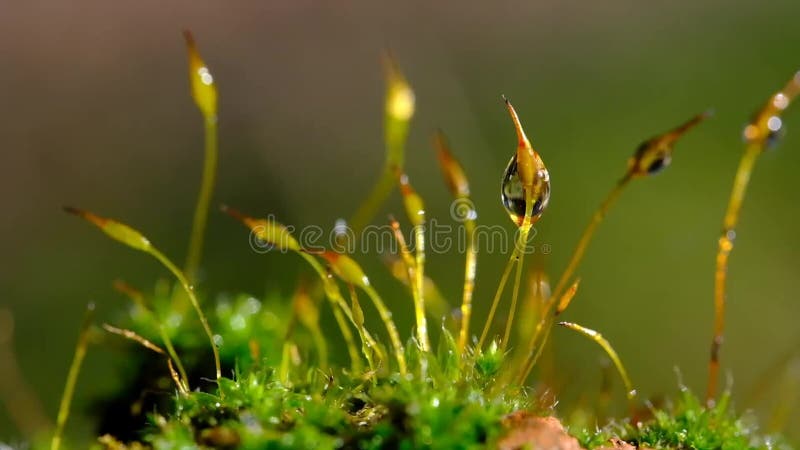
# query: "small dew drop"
218,341
774,123
252,305
237,322
205,76
780,101
340,227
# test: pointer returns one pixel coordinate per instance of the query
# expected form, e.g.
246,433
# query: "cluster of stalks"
525,193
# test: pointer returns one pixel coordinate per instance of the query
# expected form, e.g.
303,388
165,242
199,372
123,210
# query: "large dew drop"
513,196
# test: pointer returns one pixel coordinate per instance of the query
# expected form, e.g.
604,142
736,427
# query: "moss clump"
443,402
274,387
686,423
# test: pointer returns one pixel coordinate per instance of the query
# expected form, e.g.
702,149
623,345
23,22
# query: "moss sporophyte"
274,384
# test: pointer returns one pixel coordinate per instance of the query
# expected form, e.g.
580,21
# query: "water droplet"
513,197
252,305
238,322
775,132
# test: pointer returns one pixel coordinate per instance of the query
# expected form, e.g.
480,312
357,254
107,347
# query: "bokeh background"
96,112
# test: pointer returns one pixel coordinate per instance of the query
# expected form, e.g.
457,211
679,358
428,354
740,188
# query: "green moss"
686,423
273,387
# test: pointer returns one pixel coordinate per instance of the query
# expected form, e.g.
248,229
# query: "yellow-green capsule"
346,268
452,171
268,231
399,95
415,207
116,230
204,91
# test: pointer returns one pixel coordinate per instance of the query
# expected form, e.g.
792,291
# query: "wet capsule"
655,154
525,172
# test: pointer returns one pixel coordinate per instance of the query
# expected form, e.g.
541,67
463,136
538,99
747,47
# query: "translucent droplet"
513,197
775,132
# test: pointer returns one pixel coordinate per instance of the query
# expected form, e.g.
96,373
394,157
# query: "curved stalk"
470,267
72,377
200,220
391,328
496,300
630,392
725,246
522,242
193,299
762,131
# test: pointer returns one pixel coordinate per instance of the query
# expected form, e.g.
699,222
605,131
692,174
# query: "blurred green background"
96,112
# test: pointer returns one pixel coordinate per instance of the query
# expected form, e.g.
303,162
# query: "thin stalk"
337,300
349,341
183,388
496,301
287,358
545,323
391,328
522,242
470,266
203,199
358,321
173,354
462,210
187,287
419,286
138,299
72,377
630,392
416,278
725,242
515,294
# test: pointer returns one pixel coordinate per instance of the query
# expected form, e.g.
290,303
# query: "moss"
274,388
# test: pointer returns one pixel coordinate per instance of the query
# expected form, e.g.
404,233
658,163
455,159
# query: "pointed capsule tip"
85,215
72,210
233,212
189,38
